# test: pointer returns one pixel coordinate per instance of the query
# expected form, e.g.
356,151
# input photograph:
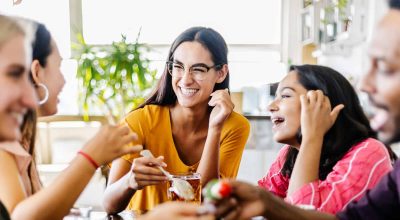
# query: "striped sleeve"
360,169
274,181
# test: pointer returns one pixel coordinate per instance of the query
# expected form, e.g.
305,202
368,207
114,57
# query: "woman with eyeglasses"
188,123
17,97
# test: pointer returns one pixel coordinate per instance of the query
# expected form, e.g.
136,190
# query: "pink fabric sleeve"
360,169
274,181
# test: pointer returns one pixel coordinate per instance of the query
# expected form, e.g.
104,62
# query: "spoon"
181,187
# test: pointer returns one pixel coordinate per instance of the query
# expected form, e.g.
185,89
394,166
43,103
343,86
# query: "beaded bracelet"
89,158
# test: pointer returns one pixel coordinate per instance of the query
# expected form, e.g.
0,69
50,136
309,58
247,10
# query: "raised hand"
144,172
317,116
111,142
245,201
223,107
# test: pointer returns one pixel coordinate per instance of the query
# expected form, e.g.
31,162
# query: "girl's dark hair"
41,46
394,4
41,49
350,127
163,94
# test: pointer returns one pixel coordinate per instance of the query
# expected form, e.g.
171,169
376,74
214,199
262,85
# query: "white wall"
354,64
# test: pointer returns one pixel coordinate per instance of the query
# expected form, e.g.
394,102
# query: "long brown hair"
28,140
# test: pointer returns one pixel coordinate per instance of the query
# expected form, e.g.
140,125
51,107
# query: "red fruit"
225,189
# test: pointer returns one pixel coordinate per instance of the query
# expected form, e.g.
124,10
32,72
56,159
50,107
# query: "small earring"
46,93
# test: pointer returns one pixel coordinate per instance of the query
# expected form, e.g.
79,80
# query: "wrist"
214,130
89,159
265,200
132,185
312,139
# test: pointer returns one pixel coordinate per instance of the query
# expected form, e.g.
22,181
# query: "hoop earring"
46,93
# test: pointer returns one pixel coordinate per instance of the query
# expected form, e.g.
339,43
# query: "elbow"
110,209
110,206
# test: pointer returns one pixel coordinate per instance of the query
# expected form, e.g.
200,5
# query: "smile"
188,91
277,121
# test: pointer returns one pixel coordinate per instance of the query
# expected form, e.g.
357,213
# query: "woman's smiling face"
286,110
189,91
17,94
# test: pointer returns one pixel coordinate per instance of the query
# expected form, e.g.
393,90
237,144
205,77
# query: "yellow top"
153,127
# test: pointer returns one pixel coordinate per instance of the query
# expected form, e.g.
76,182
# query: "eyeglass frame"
191,68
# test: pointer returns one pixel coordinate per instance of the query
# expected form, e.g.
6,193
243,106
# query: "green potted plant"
114,78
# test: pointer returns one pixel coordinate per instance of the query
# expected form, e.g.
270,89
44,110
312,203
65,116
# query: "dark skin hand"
248,201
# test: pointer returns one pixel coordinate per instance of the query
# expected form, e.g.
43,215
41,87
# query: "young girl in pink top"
331,157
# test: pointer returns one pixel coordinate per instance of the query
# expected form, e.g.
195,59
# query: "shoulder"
369,147
238,121
148,112
369,152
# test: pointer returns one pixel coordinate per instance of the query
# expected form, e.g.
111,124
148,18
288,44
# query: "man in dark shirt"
382,84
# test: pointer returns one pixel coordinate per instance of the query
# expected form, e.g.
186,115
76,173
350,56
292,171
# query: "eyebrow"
287,87
194,65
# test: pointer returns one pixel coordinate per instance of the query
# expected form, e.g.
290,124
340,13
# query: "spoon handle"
148,154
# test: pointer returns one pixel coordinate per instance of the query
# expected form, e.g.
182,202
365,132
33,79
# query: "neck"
189,118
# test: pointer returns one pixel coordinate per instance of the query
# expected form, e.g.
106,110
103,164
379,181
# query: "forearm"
306,167
276,208
118,195
60,196
209,162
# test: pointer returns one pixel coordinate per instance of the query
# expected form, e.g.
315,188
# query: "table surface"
96,215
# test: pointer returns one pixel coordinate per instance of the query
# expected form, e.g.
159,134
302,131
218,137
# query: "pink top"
23,159
360,169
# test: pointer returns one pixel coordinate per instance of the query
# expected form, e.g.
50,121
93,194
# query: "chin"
10,136
285,140
389,139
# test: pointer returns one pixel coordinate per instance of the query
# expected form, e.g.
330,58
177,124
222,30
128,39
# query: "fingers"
303,101
149,162
225,207
132,150
220,95
315,98
126,140
233,214
221,101
335,112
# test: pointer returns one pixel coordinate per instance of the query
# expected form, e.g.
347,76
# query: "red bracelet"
89,158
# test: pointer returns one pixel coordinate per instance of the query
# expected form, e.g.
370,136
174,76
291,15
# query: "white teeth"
18,116
188,91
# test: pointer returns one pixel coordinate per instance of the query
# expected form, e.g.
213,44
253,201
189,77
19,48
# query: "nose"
187,77
272,106
367,82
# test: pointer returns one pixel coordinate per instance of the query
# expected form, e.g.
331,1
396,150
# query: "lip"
188,92
379,119
277,121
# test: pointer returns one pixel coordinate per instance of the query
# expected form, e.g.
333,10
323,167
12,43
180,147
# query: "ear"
35,71
222,73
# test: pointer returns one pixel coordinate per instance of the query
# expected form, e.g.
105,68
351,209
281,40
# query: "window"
252,30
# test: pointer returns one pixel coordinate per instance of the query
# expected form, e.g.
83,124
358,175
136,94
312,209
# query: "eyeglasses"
198,71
